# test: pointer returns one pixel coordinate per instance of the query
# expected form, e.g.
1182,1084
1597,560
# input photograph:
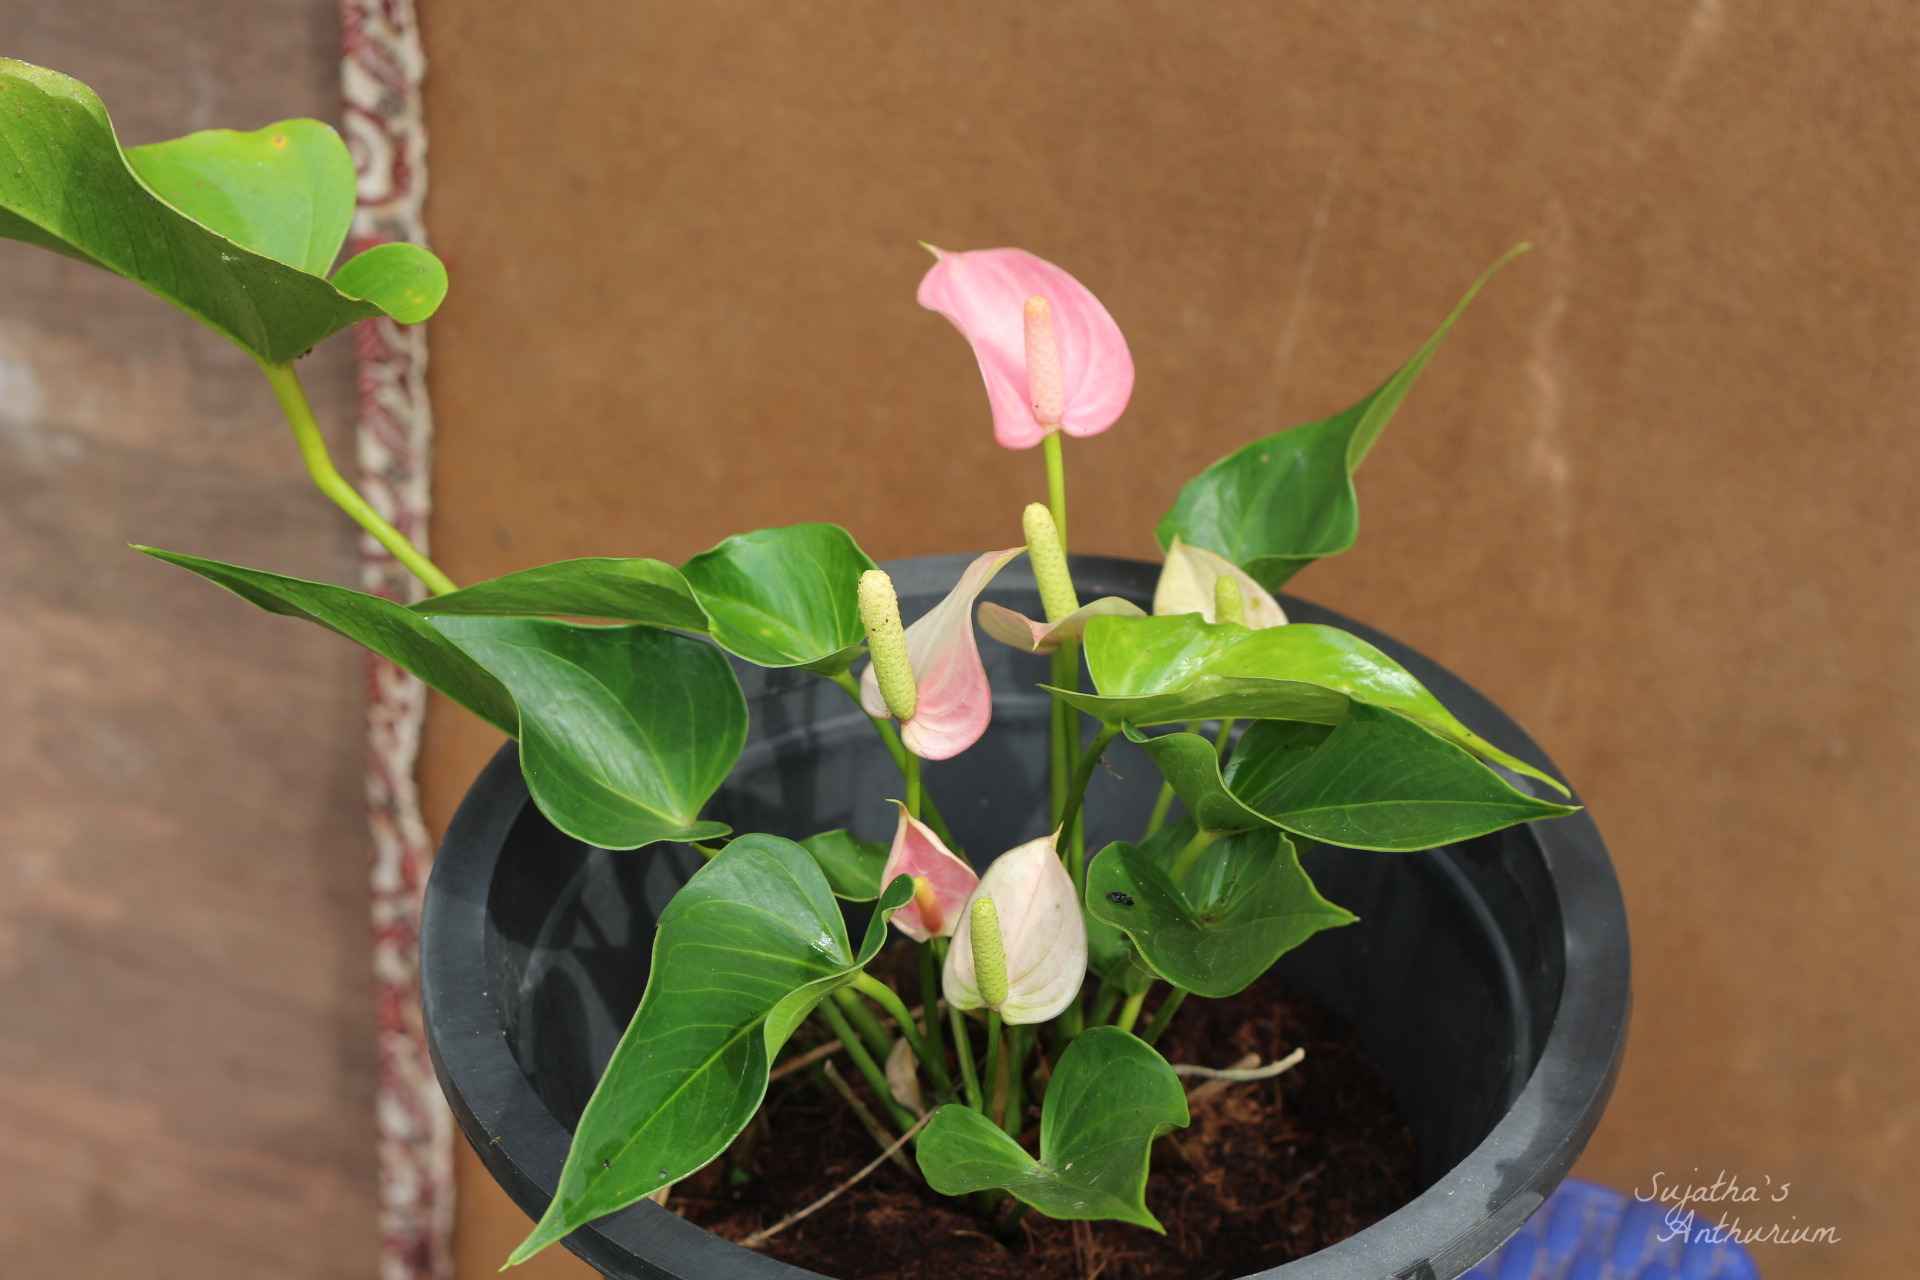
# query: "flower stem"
993,1092
1056,483
1164,1014
1103,1003
963,1050
913,784
884,996
930,1004
1225,739
1130,1011
327,478
1076,797
1017,1040
902,758
875,1078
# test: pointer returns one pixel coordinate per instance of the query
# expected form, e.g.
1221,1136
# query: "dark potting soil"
1266,1173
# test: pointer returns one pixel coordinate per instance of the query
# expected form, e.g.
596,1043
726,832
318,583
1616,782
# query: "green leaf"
1110,1096
852,866
391,630
1165,670
1243,904
1110,953
742,955
233,228
785,597
1284,501
623,589
1378,781
625,732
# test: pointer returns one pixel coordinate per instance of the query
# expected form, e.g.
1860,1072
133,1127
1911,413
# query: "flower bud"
1046,383
989,952
1228,604
887,643
1049,561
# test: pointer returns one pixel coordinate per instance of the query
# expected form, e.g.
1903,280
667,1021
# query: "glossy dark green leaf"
233,228
852,866
1110,1096
620,588
391,630
1110,952
1378,781
1243,904
1285,501
742,955
785,597
625,732
1149,671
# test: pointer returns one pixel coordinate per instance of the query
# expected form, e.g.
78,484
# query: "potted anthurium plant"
1008,1037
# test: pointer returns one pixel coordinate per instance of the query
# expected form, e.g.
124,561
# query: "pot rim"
1465,1215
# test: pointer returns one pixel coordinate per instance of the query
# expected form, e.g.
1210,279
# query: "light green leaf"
1243,904
1165,670
742,955
785,597
1284,501
852,866
623,589
625,732
233,228
391,630
1110,1096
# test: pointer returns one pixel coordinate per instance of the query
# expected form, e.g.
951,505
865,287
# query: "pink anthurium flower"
1041,929
954,702
942,881
1187,586
1060,364
1011,627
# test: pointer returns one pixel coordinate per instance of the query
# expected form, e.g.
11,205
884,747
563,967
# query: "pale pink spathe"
1016,629
1041,928
919,853
984,293
955,701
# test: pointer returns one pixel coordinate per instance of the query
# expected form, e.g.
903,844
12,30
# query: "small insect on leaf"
1120,899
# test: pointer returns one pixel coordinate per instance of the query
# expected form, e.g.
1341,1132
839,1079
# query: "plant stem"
876,1079
1130,1011
871,1029
327,478
1077,794
1164,1014
993,1064
902,758
1161,803
930,1006
1056,483
1225,739
1017,1041
883,995
963,1050
1103,1003
707,851
1190,853
913,785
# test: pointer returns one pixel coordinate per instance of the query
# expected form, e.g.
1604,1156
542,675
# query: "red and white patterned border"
381,73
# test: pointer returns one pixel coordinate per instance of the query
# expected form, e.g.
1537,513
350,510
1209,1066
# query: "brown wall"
1656,496
186,1048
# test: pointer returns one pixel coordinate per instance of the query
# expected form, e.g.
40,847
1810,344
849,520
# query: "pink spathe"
955,702
985,294
947,878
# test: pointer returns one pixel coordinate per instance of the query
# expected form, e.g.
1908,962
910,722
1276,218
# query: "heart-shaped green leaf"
786,597
852,866
1165,670
391,630
1377,781
742,955
621,588
1284,501
234,228
1110,953
1110,1096
625,732
1242,905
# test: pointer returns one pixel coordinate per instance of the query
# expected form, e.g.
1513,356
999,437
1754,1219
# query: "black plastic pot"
1488,981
